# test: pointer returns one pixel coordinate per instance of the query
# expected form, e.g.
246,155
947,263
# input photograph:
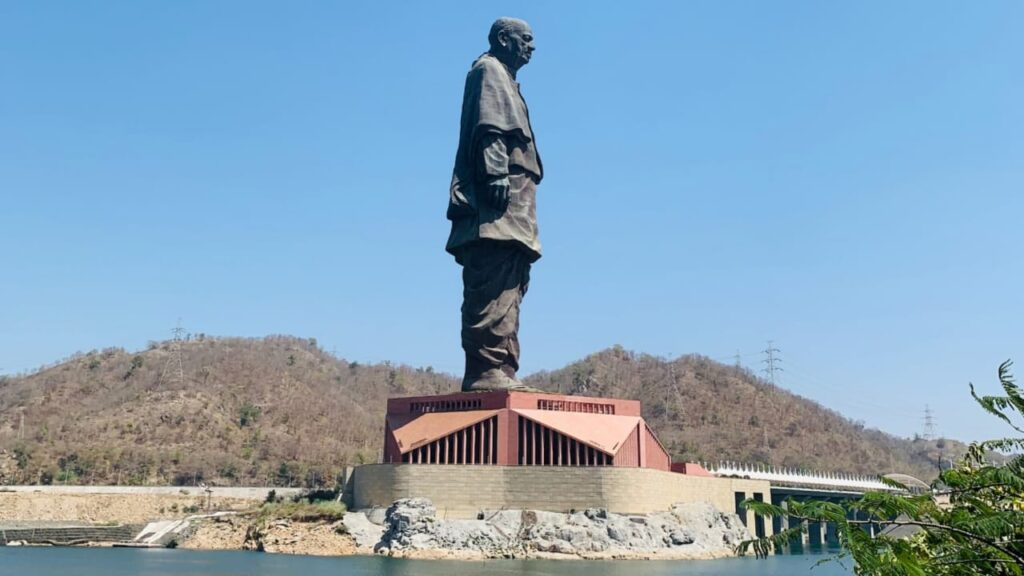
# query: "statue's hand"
497,193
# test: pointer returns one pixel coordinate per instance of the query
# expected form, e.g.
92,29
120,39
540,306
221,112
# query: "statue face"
518,41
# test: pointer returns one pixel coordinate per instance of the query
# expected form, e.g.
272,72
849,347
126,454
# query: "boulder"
694,530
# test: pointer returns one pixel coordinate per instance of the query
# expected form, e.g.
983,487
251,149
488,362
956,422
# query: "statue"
493,208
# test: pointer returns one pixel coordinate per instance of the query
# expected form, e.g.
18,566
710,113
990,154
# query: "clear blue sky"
842,178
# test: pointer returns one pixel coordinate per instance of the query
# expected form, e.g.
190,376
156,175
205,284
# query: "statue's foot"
492,379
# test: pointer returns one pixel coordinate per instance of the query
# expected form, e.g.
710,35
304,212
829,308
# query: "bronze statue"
493,208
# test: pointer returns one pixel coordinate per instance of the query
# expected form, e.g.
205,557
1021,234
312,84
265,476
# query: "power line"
771,361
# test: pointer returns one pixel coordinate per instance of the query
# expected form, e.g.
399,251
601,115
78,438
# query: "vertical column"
759,519
642,438
535,443
814,534
513,437
740,509
486,454
473,445
750,518
503,430
784,520
542,444
792,522
390,453
521,434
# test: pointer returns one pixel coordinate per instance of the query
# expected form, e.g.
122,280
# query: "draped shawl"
491,103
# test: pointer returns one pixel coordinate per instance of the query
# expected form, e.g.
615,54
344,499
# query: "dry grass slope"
704,410
276,410
281,411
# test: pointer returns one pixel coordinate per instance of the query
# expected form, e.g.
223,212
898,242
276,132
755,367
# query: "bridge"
790,480
799,485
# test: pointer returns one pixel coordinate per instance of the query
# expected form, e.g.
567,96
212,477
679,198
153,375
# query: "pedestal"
510,428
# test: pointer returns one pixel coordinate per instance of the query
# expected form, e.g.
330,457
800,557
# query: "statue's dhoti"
495,276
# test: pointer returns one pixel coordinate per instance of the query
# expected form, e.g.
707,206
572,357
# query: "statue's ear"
503,38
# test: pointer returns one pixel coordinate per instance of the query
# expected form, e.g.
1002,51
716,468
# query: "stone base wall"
462,491
242,492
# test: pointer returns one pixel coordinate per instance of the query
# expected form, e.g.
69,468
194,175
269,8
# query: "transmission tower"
737,358
174,362
771,361
929,423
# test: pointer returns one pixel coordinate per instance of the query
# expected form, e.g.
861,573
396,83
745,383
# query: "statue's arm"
493,163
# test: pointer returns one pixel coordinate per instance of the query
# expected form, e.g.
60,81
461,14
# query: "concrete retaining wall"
462,491
245,492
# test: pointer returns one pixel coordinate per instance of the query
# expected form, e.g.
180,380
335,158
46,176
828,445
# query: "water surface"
163,562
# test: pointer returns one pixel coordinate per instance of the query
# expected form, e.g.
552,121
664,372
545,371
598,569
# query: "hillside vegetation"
281,411
706,411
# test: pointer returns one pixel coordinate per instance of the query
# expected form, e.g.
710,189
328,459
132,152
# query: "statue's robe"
495,123
494,247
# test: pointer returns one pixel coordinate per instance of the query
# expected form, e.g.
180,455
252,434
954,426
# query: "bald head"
511,42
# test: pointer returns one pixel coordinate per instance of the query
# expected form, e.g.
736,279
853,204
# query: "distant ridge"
280,410
707,411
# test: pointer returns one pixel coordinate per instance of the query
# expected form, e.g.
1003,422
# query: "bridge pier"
831,535
759,519
814,534
861,516
780,523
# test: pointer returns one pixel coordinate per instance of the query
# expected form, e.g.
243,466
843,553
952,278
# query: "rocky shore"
687,531
410,528
241,532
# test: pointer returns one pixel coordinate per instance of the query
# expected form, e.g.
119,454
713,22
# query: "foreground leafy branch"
980,531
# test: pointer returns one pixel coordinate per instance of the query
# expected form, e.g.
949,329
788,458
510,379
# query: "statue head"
511,42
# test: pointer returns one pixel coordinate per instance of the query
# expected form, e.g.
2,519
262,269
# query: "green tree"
135,365
248,414
980,530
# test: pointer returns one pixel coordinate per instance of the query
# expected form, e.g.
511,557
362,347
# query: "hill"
280,410
706,411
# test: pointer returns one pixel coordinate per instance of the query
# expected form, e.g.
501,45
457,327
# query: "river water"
164,562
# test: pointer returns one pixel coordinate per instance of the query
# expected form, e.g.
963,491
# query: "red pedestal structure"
508,428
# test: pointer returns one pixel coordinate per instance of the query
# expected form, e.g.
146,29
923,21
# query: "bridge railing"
804,478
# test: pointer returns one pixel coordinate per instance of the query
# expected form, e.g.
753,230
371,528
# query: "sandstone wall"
462,491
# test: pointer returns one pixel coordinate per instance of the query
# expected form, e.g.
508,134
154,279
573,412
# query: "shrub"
980,532
248,414
325,511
